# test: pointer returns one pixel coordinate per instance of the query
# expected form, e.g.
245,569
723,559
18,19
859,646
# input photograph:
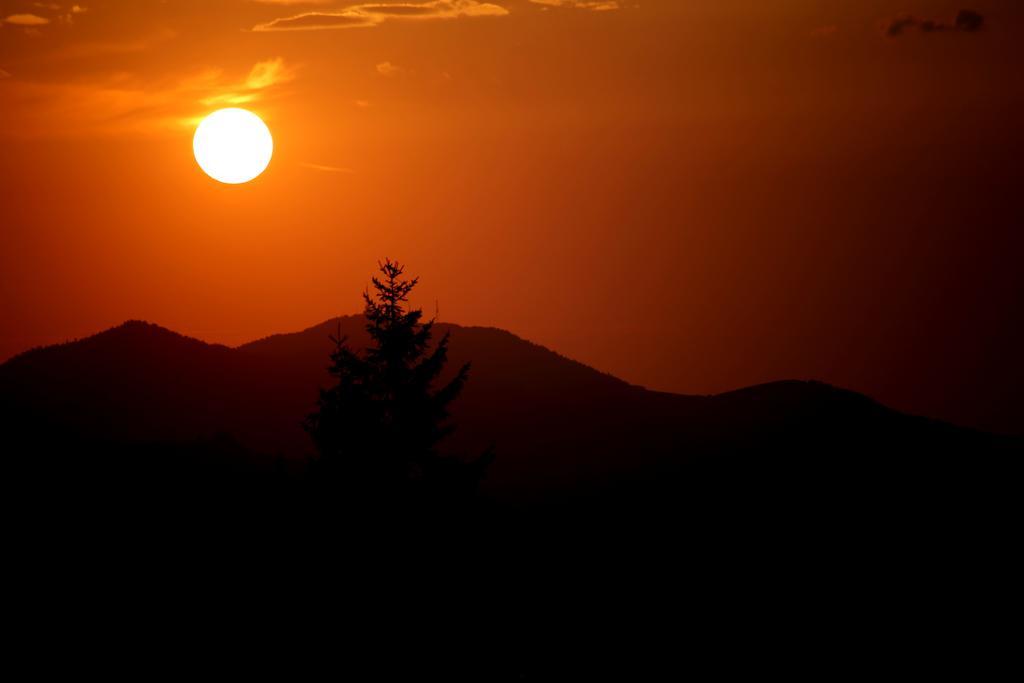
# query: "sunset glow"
714,176
514,325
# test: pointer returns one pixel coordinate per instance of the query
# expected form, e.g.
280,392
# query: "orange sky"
695,195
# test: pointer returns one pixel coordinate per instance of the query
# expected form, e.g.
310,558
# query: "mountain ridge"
133,326
555,424
328,327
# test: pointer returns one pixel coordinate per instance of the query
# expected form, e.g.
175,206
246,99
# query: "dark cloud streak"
966,21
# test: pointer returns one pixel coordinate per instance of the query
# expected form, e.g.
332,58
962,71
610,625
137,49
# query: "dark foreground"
809,562
785,529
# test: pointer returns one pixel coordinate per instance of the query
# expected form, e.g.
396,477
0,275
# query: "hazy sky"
695,195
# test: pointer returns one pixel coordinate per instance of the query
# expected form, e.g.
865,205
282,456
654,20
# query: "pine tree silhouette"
377,428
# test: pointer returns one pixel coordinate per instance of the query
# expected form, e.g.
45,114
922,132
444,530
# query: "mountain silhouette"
558,427
603,497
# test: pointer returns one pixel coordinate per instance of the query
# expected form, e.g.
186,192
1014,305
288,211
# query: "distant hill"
557,426
141,443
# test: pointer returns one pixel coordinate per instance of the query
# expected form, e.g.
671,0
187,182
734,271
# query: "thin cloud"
966,21
387,69
373,14
4,74
316,21
593,5
263,75
268,73
69,17
26,20
123,104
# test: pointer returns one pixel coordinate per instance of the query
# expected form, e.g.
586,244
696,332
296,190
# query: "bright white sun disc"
233,145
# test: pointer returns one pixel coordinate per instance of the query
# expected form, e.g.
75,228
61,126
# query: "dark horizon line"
782,381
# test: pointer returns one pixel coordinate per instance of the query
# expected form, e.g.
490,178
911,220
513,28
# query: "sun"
233,145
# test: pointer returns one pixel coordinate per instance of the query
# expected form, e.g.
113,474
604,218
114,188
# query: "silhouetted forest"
369,444
141,411
376,429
